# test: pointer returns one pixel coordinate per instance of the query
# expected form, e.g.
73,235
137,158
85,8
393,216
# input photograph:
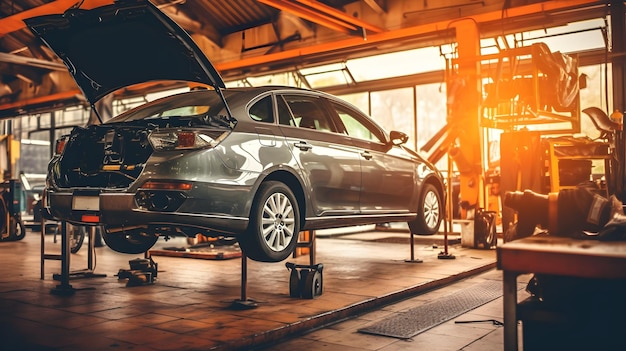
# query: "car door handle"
366,155
304,146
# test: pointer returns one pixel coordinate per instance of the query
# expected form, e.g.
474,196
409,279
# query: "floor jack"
306,284
306,281
143,271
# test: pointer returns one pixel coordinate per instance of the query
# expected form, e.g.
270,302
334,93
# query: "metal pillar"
464,111
618,63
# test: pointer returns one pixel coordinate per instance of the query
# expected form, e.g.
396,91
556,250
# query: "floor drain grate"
416,320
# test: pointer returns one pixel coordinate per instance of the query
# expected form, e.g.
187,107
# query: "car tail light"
163,185
90,218
179,140
186,139
60,145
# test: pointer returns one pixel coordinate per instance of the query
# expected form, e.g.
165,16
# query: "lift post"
244,303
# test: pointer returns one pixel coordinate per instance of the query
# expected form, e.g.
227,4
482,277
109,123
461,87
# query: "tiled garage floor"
190,305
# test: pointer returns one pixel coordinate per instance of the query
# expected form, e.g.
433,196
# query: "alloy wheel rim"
431,209
278,222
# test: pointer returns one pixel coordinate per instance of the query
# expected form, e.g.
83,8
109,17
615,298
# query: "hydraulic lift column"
464,110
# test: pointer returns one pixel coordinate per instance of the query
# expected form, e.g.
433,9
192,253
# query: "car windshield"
195,104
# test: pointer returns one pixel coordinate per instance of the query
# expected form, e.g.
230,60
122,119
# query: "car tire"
129,241
274,225
18,230
76,236
429,212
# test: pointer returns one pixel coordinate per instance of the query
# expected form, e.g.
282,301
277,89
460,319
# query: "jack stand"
64,288
447,226
85,273
308,284
244,303
445,255
413,259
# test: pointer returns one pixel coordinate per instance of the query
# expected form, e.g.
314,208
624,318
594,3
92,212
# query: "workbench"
553,256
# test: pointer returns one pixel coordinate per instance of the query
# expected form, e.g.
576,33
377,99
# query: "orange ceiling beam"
340,15
400,33
16,22
64,95
308,14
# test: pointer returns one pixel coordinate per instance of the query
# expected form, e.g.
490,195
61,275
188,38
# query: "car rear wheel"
129,241
274,224
76,236
18,230
430,212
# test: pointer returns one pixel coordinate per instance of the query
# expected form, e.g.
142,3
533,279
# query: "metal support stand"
447,226
444,254
85,273
64,288
413,259
244,303
308,245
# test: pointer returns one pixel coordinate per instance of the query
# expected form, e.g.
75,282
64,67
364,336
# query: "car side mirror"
398,138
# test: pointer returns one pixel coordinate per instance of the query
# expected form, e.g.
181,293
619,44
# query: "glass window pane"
396,64
360,100
577,36
308,114
262,110
431,111
393,110
358,127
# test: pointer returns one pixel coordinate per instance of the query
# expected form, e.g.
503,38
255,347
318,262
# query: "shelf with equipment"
570,161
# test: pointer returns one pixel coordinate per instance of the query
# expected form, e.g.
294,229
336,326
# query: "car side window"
308,113
262,110
356,127
284,116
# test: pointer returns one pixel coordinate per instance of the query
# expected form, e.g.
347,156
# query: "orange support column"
464,111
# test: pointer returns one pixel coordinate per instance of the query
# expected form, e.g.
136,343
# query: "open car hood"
118,45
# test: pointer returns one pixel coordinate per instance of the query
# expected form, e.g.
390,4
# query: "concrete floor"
190,306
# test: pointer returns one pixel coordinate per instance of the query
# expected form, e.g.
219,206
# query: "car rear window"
200,103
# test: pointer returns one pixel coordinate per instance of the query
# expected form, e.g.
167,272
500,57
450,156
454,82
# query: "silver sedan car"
259,164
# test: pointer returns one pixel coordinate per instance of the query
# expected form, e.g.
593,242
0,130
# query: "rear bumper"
120,210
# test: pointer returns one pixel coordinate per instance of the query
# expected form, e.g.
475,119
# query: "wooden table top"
564,256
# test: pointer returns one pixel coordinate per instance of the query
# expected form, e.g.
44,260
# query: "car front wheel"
274,224
129,241
430,212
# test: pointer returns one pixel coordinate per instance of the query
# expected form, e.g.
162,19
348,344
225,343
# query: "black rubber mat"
419,319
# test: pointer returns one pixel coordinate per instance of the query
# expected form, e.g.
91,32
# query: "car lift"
65,288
